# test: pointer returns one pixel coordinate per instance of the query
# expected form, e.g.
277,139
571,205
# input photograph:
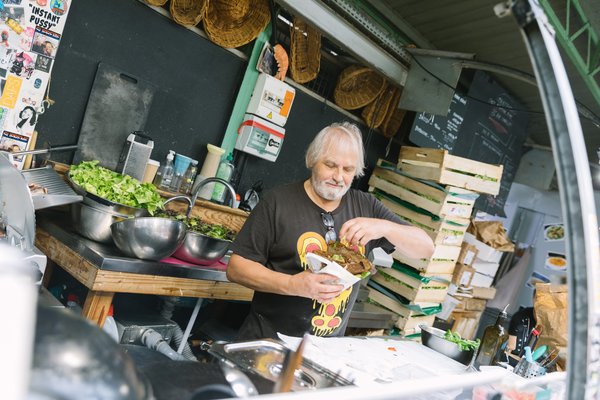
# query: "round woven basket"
188,12
305,51
357,86
374,113
394,116
157,3
233,23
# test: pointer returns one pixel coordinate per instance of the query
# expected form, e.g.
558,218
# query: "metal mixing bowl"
434,339
201,249
148,238
94,223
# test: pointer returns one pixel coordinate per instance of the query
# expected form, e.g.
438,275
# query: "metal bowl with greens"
215,231
112,189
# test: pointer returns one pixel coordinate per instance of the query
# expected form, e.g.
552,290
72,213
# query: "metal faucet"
209,180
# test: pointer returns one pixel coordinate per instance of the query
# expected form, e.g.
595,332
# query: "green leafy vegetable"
215,231
463,344
116,187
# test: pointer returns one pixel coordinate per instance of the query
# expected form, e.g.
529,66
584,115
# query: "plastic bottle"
209,170
188,178
164,175
494,339
225,172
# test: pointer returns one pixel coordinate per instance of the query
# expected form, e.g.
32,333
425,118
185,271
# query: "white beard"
326,192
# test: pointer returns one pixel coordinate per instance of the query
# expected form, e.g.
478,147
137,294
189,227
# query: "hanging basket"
357,86
394,116
305,49
374,113
188,12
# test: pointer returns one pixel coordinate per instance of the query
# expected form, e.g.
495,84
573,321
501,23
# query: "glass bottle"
493,342
188,178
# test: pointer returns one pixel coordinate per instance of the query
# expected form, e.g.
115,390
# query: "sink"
265,358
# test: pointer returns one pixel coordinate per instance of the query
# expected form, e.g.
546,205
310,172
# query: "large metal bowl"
201,249
94,223
103,204
148,238
434,339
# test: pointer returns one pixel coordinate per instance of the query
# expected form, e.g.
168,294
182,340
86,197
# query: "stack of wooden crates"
435,191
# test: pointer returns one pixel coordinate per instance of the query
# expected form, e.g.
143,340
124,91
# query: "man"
269,252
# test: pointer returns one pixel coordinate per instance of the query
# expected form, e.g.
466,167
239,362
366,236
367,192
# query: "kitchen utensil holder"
528,369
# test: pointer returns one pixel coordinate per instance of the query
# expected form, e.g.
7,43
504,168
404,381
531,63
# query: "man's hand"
361,231
315,286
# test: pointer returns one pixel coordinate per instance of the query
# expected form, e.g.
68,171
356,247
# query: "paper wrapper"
493,234
550,307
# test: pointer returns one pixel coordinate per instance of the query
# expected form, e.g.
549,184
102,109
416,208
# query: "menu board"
487,124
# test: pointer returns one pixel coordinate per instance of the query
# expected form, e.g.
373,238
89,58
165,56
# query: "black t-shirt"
285,226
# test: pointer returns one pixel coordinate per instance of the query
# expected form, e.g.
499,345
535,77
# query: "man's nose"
338,174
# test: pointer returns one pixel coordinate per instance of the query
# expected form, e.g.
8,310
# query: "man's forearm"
256,276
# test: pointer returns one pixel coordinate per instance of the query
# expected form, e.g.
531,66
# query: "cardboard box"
483,293
486,268
463,274
468,253
484,252
481,280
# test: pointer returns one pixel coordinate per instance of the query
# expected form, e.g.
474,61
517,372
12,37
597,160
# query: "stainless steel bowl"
94,223
148,238
201,249
434,339
103,204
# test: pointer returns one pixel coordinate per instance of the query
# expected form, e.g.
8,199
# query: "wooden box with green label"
439,166
429,196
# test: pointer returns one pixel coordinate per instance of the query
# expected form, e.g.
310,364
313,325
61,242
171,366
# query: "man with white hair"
269,253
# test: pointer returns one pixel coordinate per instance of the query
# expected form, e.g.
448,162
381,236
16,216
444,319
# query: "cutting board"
118,105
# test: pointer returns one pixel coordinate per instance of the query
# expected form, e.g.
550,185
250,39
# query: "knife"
292,361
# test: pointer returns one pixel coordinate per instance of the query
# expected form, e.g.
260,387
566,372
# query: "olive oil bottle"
493,342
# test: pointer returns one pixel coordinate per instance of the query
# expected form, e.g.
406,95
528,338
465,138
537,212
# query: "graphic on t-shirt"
329,316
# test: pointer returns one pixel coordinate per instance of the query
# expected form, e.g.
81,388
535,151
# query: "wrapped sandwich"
349,259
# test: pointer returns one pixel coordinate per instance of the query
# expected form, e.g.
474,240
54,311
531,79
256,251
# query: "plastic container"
224,172
150,172
181,165
164,175
209,170
188,178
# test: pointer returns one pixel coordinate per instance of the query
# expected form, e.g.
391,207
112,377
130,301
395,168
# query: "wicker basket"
233,23
188,12
394,116
357,86
374,114
156,3
305,51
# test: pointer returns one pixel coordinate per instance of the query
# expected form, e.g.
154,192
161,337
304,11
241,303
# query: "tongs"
292,361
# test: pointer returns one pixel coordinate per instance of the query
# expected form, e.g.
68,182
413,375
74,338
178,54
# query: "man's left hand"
360,231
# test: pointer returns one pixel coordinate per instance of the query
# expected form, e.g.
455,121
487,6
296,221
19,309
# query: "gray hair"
345,134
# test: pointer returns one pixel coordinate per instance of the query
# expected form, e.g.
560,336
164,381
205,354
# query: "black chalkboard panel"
487,124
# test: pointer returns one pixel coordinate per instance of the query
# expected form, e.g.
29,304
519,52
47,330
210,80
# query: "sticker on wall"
556,262
13,142
45,42
43,63
536,277
3,115
44,18
22,64
59,7
10,91
554,232
25,119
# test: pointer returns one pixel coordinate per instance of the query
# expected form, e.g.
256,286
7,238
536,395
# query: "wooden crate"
413,287
466,323
451,201
407,320
439,166
443,260
445,230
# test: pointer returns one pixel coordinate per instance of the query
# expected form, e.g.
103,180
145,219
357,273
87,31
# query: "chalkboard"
487,124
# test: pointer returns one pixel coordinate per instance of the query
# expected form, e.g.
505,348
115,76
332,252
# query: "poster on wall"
30,35
554,232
